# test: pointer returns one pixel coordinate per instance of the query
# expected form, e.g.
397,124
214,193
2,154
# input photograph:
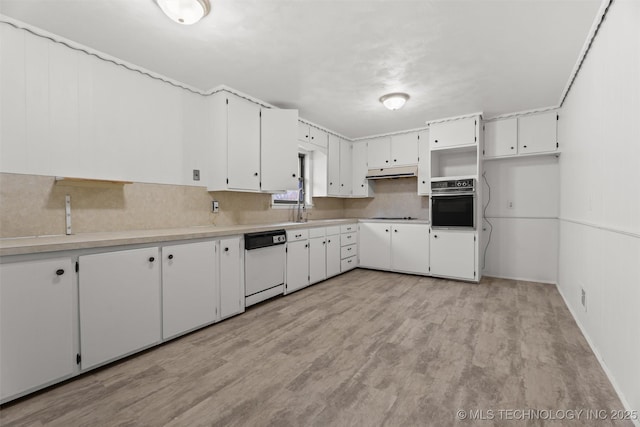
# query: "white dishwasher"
264,264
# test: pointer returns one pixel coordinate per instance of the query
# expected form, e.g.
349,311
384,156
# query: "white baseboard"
606,370
519,279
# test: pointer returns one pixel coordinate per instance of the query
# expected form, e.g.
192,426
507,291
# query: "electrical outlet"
215,206
510,204
583,298
196,174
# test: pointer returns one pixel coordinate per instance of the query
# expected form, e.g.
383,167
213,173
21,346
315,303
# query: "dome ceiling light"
185,12
394,101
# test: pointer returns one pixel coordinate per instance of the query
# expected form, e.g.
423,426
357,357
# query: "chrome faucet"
301,207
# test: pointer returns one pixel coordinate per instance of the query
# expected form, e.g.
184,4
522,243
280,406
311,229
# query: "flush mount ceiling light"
394,101
185,12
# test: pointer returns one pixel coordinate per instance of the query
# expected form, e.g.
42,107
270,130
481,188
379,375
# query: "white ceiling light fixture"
394,101
185,12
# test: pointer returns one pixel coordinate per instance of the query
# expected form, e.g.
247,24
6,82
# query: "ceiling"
333,59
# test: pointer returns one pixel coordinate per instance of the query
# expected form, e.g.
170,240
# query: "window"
290,198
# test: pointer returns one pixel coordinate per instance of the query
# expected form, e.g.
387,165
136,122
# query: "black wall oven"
453,204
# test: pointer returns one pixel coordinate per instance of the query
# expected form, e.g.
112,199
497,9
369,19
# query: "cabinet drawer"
333,230
294,235
348,263
348,251
348,239
348,228
316,232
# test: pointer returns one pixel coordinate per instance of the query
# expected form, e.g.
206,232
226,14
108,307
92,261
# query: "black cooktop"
394,217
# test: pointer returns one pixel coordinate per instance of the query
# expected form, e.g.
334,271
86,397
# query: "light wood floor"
365,348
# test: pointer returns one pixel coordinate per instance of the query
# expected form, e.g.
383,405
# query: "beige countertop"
40,244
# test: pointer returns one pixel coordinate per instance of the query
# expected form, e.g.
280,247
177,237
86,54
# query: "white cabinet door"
119,304
317,259
404,149
279,149
189,292
410,248
360,184
318,137
537,133
375,245
333,255
297,265
424,184
378,152
333,166
243,144
37,315
452,254
452,133
303,132
231,280
346,188
501,138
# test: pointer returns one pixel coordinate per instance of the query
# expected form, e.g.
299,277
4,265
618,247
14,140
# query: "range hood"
394,172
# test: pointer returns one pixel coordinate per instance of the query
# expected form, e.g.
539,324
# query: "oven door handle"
469,193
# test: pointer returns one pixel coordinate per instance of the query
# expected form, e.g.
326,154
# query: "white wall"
70,114
524,240
599,132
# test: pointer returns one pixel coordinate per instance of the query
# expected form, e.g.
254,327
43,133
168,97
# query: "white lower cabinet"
189,293
231,278
297,265
119,295
375,245
410,248
333,255
395,246
37,313
453,254
317,259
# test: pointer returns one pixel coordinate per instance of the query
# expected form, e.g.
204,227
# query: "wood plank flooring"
366,348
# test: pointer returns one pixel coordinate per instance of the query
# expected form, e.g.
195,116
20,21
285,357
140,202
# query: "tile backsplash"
33,205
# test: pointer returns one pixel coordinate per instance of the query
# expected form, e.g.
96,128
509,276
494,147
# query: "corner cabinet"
453,254
37,322
254,148
120,309
375,245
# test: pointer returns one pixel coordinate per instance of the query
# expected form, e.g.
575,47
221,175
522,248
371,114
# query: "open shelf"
86,182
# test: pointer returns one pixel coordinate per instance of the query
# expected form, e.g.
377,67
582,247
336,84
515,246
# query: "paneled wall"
68,113
600,201
523,210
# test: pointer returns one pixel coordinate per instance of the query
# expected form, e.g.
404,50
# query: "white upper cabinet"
424,183
333,166
453,133
537,133
278,150
404,149
362,187
243,144
346,150
303,132
501,138
379,152
250,152
318,137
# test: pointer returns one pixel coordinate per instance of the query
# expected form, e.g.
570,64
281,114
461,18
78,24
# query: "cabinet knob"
395,160
323,242
436,141
435,236
341,185
329,240
524,146
306,246
395,231
361,185
424,182
151,259
255,174
293,175
170,256
386,161
386,230
226,249
331,183
512,148
59,272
